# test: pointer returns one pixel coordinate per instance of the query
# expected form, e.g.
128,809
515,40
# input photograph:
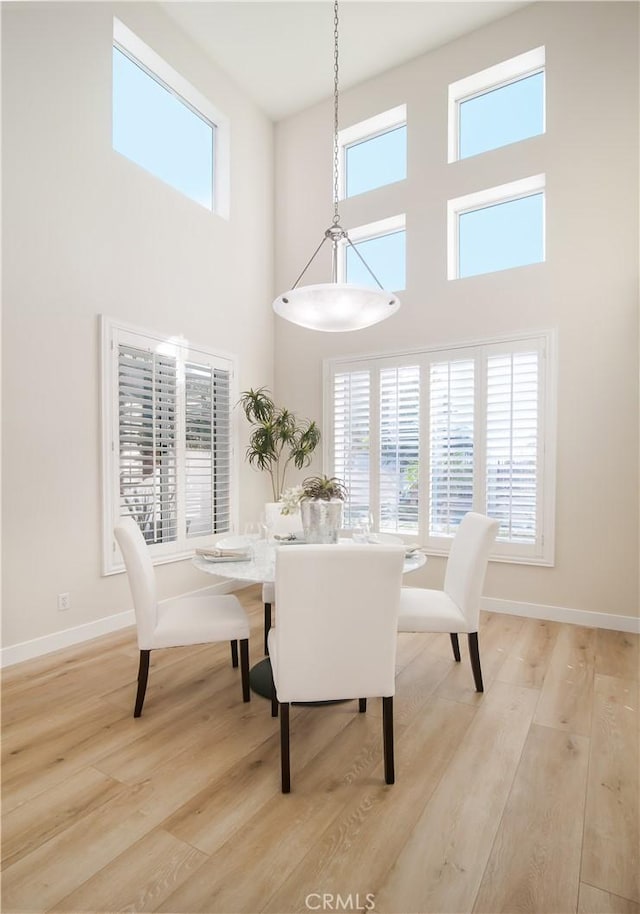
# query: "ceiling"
281,53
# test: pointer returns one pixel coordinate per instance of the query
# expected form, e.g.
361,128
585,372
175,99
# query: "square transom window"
497,229
497,106
373,152
382,245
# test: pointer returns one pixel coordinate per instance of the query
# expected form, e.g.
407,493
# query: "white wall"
587,289
87,232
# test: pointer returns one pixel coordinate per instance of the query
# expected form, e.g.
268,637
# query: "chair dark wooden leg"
267,626
362,705
143,675
387,738
234,653
244,668
455,644
284,747
474,653
274,699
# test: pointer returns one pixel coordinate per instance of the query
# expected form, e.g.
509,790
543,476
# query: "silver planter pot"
321,520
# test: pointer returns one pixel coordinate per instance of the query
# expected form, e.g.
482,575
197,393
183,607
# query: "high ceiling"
281,53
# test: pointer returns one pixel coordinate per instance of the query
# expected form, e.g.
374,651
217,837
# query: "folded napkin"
413,549
217,553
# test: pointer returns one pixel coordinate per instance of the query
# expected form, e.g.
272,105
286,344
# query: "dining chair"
456,608
278,524
178,621
336,633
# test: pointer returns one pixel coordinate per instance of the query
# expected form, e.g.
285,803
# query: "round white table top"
261,568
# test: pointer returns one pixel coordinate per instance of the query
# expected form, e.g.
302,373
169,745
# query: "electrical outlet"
64,601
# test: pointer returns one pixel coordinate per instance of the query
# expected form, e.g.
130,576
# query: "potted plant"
278,438
321,508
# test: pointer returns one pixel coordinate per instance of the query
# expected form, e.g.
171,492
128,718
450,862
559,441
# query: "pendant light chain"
336,306
336,216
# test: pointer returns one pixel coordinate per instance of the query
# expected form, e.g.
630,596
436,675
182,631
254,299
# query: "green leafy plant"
278,437
324,488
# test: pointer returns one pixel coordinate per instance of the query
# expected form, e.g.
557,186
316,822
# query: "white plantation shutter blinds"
222,450
147,441
465,429
512,451
451,444
399,448
207,452
168,444
351,441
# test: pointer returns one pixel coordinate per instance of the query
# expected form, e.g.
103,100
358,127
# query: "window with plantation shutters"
451,443
351,436
399,448
438,433
147,419
167,440
512,444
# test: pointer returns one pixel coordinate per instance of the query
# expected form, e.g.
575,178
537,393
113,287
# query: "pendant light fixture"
335,306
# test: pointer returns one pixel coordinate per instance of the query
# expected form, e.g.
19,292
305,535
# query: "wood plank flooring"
523,799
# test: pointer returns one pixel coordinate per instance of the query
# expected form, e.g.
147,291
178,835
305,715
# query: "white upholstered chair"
456,608
280,525
178,621
336,632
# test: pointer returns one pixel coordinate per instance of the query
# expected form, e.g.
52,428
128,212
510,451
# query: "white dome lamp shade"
336,307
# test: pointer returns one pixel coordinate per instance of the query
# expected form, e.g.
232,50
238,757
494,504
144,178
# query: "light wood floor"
524,799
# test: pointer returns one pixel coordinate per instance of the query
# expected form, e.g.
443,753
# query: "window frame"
164,74
494,77
113,332
369,129
545,343
378,229
483,199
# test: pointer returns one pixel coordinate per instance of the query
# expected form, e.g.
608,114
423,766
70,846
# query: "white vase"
321,520
279,524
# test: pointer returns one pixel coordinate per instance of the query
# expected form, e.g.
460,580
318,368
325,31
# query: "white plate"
226,558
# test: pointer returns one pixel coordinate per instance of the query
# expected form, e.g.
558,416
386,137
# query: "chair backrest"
467,564
336,626
142,579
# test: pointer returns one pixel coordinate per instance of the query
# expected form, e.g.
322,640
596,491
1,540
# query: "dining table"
255,562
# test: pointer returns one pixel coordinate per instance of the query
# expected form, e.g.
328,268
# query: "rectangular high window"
373,153
500,105
383,247
167,441
497,229
165,125
421,439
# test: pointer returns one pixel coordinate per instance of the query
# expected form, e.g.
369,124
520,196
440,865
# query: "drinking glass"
253,530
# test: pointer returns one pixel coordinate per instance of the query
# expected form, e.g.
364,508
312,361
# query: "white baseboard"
563,614
38,647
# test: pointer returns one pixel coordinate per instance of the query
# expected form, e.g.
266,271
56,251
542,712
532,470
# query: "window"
420,439
497,106
164,125
383,246
373,152
496,229
167,441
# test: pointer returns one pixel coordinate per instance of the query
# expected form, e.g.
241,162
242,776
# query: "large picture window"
420,439
167,441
